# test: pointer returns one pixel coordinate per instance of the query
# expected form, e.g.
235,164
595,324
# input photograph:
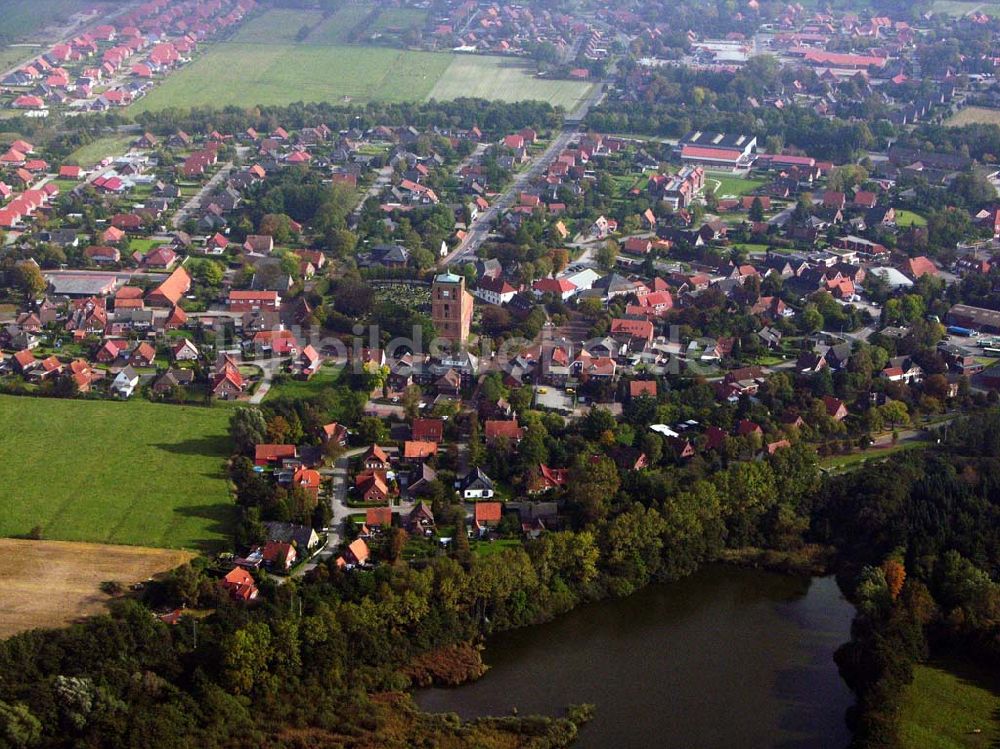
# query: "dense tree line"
921,543
492,117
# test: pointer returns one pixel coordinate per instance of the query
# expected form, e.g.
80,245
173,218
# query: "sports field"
53,583
728,186
974,116
505,79
125,473
951,704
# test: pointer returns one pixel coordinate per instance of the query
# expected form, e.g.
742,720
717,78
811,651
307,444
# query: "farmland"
974,116
23,17
961,7
946,702
278,74
53,583
265,64
504,79
279,26
127,473
337,28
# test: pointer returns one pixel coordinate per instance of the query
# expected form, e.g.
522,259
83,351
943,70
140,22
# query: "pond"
728,657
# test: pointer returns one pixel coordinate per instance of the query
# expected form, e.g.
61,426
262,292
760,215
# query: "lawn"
134,473
851,460
905,219
93,153
327,377
946,702
505,79
727,186
280,74
53,583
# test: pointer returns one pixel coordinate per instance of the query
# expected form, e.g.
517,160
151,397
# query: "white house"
185,351
475,485
494,290
125,383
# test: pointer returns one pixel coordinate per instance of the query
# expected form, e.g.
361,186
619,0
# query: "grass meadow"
504,79
133,473
279,74
945,705
265,65
974,116
93,153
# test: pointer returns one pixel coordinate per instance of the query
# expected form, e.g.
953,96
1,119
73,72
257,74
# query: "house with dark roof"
475,485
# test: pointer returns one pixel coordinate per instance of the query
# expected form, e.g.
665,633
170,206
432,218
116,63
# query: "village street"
194,203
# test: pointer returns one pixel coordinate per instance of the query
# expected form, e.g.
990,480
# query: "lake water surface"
726,658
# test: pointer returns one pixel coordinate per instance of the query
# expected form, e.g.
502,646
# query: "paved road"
383,180
195,202
480,229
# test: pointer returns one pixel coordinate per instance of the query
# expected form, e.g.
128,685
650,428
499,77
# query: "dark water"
726,658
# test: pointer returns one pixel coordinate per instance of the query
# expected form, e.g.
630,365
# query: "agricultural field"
93,153
504,79
279,74
12,56
24,17
974,116
947,702
54,583
958,8
134,473
336,28
399,19
279,26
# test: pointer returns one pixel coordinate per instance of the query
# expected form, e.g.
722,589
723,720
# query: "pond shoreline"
730,637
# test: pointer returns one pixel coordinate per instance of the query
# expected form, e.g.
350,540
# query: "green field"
396,19
280,74
946,702
726,186
336,28
22,17
279,26
505,79
128,473
962,7
265,65
906,219
11,56
92,153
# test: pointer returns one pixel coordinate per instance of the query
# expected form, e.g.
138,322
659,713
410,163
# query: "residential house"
475,485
